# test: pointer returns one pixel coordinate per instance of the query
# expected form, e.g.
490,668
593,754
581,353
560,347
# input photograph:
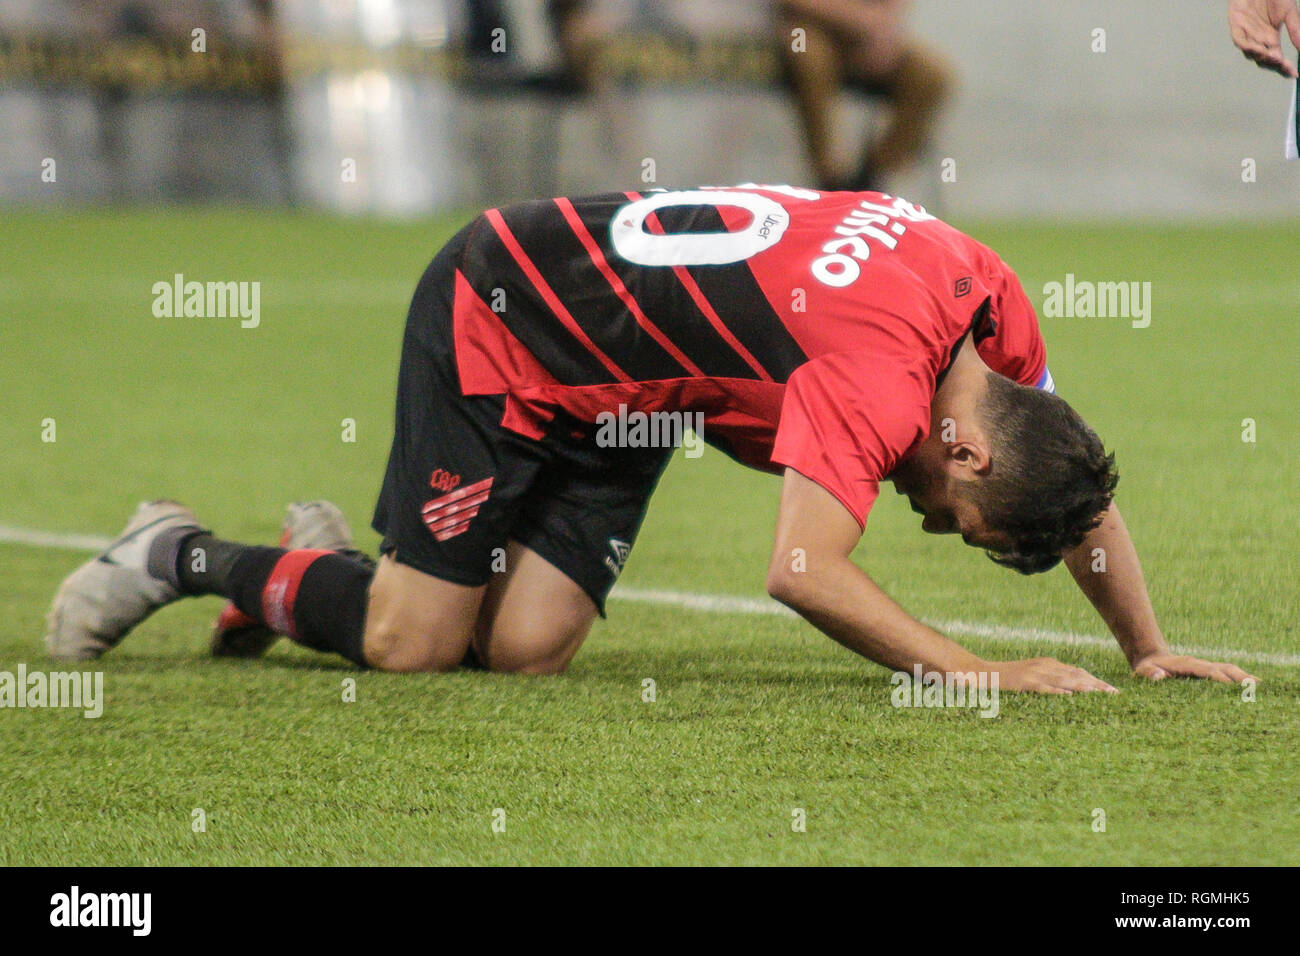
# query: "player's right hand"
1046,675
1255,26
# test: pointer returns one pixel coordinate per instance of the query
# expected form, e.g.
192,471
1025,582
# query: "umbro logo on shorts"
617,557
450,514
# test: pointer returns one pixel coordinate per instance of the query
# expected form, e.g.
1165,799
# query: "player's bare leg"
416,622
534,617
529,619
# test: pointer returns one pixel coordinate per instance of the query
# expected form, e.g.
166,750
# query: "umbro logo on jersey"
961,287
617,557
450,514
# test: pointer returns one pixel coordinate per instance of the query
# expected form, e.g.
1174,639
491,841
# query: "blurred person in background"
266,47
575,34
861,45
483,20
582,26
557,38
168,129
131,23
1256,27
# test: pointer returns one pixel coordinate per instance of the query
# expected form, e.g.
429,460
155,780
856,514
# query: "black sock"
318,598
330,611
204,563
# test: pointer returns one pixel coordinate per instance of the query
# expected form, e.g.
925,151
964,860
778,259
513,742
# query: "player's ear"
970,455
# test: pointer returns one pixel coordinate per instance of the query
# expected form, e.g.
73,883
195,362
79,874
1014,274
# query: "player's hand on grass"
1046,675
1255,26
1160,666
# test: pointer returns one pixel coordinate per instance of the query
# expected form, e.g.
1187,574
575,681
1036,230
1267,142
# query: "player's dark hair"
1051,478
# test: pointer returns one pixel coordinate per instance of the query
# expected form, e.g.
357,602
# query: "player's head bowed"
1049,480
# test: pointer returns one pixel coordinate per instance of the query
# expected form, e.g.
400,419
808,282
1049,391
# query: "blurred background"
405,107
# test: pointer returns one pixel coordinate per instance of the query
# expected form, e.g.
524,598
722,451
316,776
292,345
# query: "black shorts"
459,486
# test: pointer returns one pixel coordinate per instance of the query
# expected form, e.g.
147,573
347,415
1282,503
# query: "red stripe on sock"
281,588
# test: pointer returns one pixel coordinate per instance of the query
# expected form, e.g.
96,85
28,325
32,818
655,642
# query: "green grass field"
756,715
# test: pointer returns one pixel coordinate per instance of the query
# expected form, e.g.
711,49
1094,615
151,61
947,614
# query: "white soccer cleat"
97,604
309,524
316,524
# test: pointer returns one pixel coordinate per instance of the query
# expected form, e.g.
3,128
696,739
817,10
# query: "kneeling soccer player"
839,339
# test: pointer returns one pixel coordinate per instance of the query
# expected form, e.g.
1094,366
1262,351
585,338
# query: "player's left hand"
1160,666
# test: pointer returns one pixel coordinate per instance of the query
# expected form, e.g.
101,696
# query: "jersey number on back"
768,221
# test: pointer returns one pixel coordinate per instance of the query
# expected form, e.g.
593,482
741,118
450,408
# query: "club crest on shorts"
450,514
617,557
443,480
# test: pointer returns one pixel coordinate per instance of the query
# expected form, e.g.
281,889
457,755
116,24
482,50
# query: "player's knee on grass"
408,652
540,648
533,618
417,623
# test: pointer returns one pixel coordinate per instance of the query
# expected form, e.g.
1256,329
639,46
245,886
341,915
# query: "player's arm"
1255,26
837,597
1106,568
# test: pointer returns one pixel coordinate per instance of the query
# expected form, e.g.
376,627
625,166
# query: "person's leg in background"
863,46
917,85
813,71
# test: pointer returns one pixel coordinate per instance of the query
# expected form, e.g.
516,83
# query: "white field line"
736,604
730,604
53,539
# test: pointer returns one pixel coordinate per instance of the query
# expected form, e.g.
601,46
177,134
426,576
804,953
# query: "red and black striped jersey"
808,328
